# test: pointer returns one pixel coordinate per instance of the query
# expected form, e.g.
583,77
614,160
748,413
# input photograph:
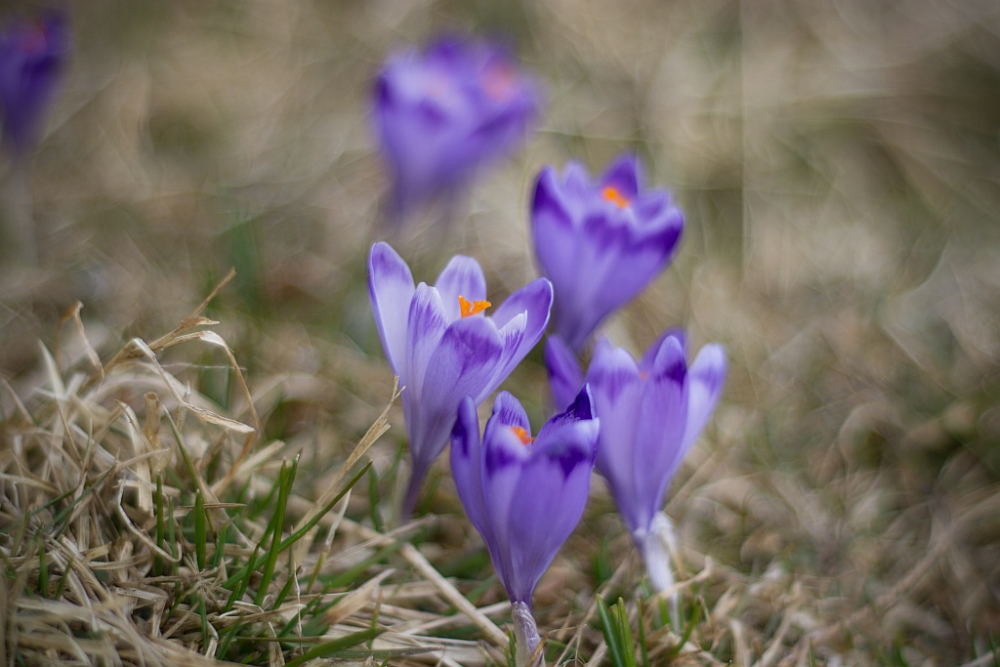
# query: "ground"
838,163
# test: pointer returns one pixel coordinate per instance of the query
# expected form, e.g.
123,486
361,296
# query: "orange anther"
522,435
470,308
612,195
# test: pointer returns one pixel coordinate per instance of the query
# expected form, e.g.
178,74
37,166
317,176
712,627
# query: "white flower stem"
656,546
526,637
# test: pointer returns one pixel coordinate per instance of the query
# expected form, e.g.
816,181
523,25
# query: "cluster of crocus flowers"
442,113
600,243
32,58
443,346
524,494
651,412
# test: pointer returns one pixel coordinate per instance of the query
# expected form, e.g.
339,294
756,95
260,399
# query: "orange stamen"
470,308
612,195
522,435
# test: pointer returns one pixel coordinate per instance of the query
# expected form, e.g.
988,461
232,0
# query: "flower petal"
534,301
549,500
508,412
502,459
565,376
617,390
553,233
625,175
466,469
646,363
659,432
462,277
425,326
390,286
705,381
462,364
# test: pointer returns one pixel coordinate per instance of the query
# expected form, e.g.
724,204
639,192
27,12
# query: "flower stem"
656,545
526,637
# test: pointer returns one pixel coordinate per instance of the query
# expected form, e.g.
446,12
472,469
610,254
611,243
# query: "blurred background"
838,163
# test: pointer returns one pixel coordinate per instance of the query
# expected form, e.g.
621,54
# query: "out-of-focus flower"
443,347
651,412
524,495
32,57
599,243
442,113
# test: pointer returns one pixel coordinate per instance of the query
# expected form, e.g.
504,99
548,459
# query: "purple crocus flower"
441,113
524,495
599,243
32,57
651,413
443,347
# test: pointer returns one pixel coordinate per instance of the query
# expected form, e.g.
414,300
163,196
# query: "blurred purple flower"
442,346
442,113
32,57
651,413
524,495
599,243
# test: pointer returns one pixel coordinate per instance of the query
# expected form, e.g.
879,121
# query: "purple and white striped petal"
390,286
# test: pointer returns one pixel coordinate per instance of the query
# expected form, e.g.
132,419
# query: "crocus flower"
599,243
32,57
524,495
443,346
651,412
442,113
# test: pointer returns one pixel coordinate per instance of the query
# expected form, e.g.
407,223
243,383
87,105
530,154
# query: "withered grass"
176,498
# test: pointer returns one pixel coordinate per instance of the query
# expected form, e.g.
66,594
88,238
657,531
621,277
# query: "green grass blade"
330,648
300,533
278,521
200,537
610,636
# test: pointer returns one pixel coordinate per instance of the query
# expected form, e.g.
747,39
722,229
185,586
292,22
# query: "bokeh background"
838,163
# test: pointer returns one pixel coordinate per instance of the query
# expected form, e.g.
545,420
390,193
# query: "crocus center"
522,435
612,195
498,81
35,40
470,308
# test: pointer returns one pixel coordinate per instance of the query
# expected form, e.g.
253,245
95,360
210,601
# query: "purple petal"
534,302
32,59
580,409
706,378
565,376
659,432
425,326
548,501
553,234
502,460
390,286
616,387
462,277
646,364
624,175
462,364
466,455
507,412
